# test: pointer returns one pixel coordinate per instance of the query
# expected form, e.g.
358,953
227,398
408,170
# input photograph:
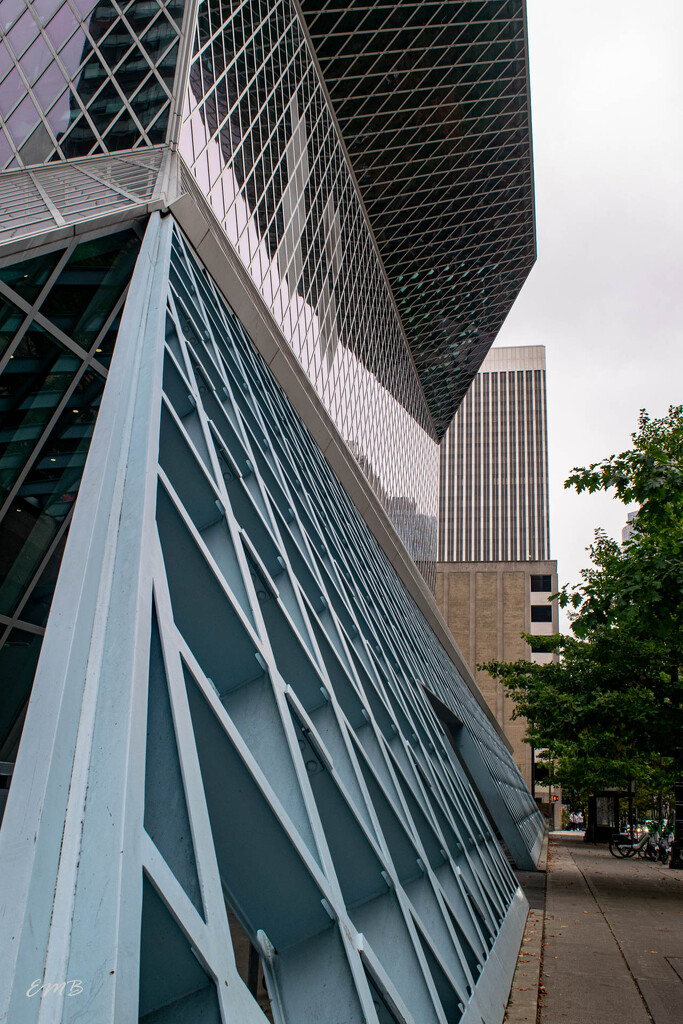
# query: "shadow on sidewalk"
612,939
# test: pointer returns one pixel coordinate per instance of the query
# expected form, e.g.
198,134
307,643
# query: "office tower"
494,573
493,499
250,257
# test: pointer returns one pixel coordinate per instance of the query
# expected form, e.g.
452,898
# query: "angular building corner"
251,776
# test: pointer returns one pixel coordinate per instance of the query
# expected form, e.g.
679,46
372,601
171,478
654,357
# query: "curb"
543,856
522,1007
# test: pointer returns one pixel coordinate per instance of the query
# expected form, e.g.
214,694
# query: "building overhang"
432,101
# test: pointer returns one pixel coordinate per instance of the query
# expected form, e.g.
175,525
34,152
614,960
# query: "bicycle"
650,850
623,845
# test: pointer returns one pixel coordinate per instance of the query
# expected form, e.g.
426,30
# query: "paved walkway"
612,949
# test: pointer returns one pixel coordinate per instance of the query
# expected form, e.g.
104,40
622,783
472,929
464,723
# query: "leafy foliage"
611,707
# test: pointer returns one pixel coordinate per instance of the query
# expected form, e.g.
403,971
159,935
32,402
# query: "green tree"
639,584
611,707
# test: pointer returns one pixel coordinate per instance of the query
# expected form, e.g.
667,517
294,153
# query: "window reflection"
37,606
89,285
31,387
127,102
18,659
49,396
259,139
29,277
11,319
47,494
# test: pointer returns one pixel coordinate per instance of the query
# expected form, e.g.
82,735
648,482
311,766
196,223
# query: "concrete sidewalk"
612,942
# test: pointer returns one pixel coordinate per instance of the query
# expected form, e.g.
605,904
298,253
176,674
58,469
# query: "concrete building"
494,575
251,255
487,606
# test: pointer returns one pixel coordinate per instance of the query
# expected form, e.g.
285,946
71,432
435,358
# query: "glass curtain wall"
85,77
259,138
59,316
432,101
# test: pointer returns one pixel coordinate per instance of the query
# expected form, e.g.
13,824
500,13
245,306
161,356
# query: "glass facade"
433,104
59,316
80,77
388,232
246,725
260,140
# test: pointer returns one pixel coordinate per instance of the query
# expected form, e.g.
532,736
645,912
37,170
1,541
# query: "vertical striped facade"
493,498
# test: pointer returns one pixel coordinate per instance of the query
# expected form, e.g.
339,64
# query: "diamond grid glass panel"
56,312
81,78
432,102
258,136
299,788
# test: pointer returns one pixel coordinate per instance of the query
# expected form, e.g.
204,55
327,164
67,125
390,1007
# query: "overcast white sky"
606,294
